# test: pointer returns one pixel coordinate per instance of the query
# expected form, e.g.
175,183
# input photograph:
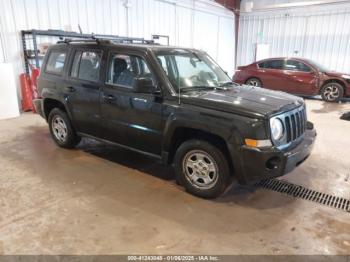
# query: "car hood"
245,100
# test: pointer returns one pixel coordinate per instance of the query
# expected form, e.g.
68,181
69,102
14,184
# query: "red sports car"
297,76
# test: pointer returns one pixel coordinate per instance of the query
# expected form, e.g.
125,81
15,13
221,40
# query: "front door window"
123,69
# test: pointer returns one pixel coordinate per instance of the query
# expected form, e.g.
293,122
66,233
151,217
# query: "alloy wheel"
331,92
253,83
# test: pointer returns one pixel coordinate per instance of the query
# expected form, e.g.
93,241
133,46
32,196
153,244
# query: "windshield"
191,71
318,66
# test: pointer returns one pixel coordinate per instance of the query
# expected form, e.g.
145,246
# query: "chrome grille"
295,123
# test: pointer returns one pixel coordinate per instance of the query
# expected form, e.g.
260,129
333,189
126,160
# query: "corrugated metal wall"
201,24
321,34
2,51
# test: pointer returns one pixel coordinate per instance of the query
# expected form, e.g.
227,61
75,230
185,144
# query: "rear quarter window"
262,65
55,62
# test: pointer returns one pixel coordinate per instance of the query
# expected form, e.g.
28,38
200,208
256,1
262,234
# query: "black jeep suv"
175,104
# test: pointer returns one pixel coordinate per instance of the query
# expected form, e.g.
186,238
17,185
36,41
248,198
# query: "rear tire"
61,129
332,92
201,168
253,82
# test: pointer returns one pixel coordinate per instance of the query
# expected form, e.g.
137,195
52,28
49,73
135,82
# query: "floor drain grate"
305,193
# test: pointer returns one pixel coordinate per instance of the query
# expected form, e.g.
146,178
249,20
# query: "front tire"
332,92
61,129
201,168
253,82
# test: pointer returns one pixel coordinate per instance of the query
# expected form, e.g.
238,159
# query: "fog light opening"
273,163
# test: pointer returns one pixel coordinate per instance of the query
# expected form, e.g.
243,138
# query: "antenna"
80,31
179,92
178,82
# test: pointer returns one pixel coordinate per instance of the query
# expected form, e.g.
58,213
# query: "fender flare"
230,136
65,105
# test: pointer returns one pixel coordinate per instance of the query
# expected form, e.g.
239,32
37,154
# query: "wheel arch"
183,133
50,103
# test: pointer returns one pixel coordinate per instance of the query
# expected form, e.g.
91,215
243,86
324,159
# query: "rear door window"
56,61
75,66
86,65
272,64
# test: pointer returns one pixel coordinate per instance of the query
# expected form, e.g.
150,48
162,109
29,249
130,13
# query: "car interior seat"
122,75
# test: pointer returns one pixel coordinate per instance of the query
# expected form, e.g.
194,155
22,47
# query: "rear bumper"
39,106
256,164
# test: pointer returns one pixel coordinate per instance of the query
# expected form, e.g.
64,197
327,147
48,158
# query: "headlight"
345,76
277,129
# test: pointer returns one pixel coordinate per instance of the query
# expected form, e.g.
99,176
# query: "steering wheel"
195,78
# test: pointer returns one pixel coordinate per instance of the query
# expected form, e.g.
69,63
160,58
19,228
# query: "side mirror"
144,85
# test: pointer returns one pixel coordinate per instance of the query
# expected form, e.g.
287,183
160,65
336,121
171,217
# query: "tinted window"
75,66
55,62
123,69
163,63
263,64
272,64
294,65
186,70
86,65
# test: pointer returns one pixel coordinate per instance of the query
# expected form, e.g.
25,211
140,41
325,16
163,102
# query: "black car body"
152,116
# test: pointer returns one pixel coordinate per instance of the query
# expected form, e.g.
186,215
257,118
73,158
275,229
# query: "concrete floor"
99,199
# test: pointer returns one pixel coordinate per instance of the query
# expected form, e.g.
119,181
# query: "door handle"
70,89
109,98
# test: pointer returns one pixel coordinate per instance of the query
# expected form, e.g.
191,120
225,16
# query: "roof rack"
70,40
102,38
32,38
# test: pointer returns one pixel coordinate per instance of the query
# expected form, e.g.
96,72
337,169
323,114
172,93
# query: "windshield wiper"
221,87
228,83
195,88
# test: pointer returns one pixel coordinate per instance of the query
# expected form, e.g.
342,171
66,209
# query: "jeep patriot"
175,104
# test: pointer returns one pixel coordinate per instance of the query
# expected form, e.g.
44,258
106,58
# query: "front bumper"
257,164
